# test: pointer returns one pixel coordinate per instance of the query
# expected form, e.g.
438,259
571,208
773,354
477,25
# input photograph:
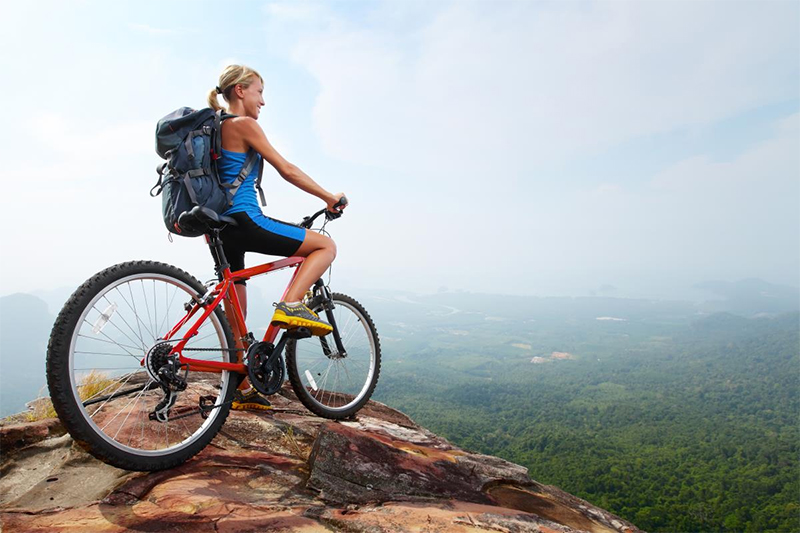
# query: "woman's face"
252,98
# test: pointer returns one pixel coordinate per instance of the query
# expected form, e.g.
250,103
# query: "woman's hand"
339,196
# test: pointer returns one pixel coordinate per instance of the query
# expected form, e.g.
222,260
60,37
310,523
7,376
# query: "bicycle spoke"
169,306
143,345
107,342
147,306
98,392
202,338
155,309
140,336
138,396
110,397
136,313
349,380
106,353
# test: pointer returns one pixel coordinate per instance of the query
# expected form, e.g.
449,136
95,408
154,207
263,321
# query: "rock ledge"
286,470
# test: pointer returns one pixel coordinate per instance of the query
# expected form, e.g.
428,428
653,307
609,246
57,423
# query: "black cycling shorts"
264,235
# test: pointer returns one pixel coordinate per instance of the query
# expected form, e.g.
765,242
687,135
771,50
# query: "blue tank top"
245,200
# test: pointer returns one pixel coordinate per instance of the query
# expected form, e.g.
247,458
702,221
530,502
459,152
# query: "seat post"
215,245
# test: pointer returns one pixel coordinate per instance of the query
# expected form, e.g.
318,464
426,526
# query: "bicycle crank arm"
265,366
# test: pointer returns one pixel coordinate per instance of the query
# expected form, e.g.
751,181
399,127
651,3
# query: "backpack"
191,142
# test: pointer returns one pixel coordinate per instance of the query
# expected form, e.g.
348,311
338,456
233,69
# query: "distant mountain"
728,326
25,324
54,298
750,297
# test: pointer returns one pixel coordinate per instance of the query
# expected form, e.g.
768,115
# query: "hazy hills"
25,324
26,319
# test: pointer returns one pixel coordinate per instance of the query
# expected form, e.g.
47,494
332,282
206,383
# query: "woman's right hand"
337,203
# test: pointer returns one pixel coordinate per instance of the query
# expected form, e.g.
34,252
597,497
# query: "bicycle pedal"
206,404
299,333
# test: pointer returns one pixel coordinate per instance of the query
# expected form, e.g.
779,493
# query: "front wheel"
331,383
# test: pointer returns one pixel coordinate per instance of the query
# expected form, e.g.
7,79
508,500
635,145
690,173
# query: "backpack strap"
247,168
217,141
187,181
258,181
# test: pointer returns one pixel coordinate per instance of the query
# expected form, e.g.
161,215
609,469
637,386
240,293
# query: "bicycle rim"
112,336
335,383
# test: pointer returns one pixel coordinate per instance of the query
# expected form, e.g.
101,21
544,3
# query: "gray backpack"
191,142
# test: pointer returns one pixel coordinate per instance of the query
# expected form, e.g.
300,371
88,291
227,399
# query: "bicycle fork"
324,293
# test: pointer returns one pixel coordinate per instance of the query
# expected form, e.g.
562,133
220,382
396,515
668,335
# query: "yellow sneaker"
298,315
250,401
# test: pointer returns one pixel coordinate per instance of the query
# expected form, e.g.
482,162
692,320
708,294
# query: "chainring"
264,368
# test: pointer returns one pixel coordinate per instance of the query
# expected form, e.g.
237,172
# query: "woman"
242,88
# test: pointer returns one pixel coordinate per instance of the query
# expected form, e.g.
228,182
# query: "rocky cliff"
286,470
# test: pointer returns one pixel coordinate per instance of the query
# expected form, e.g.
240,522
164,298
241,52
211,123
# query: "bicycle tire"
64,377
355,326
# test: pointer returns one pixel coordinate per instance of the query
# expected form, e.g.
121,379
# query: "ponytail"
213,102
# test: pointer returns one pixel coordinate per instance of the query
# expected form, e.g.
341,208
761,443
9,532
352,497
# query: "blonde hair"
232,75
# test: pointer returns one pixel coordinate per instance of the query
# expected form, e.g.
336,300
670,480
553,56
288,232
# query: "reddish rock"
287,470
15,436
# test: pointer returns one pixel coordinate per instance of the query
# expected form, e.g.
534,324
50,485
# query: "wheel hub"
156,358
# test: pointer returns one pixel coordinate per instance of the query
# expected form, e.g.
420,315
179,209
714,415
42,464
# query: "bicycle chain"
213,349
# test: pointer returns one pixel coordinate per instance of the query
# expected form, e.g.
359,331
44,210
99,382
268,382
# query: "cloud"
516,85
702,216
150,30
455,128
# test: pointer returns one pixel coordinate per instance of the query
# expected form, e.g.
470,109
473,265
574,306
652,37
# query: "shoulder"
242,124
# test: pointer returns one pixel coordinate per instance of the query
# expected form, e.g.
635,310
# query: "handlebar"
339,206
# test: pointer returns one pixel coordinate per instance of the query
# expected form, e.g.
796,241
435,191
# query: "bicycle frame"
224,290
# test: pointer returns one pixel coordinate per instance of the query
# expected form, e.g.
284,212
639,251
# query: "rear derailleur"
165,369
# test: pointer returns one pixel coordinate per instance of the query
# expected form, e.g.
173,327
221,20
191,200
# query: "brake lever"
333,215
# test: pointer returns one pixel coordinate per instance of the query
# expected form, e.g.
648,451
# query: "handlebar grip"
341,203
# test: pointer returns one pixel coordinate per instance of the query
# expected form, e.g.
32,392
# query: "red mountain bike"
143,362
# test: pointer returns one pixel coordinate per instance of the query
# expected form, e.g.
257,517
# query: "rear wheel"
103,362
329,383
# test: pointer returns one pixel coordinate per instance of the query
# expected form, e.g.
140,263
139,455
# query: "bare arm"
253,136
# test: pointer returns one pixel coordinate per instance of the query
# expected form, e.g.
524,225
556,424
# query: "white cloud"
740,217
507,86
152,30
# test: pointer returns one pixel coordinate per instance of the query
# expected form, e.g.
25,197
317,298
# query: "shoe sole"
248,406
284,321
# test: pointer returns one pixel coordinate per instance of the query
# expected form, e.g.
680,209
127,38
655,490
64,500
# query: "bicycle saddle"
203,219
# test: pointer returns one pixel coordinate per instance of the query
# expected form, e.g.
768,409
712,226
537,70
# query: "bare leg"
319,251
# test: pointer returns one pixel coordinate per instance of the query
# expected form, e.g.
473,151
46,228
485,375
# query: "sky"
513,147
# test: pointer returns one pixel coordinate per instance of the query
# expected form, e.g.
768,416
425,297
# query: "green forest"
674,422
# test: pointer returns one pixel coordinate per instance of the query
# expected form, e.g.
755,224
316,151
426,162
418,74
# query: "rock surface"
286,470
